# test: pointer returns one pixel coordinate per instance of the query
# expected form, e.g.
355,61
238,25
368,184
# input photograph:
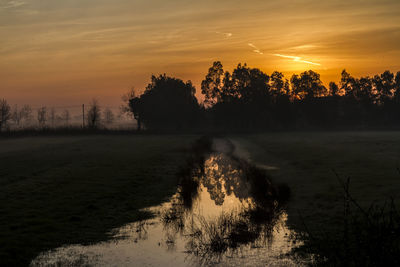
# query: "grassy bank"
305,161
64,190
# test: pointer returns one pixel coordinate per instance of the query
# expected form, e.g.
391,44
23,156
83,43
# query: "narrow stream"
215,218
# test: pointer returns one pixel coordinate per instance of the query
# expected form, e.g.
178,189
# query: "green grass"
305,161
66,190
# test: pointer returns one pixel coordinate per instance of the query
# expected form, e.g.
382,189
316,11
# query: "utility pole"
83,115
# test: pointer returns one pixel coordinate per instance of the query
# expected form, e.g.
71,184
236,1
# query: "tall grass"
210,239
188,183
366,237
230,230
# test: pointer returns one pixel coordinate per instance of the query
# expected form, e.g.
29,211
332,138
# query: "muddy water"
214,219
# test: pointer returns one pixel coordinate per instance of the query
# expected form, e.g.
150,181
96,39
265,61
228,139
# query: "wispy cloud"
226,34
256,49
11,4
294,58
303,47
297,59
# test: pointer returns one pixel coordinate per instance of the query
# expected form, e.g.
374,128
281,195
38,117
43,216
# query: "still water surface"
214,221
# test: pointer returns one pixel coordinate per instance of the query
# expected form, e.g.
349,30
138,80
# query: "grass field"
305,161
64,190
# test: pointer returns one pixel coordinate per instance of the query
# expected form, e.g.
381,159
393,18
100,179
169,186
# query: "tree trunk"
139,124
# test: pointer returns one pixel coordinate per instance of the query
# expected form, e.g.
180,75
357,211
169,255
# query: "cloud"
297,59
11,4
256,49
304,47
226,34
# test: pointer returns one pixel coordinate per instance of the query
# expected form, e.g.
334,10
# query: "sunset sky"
57,52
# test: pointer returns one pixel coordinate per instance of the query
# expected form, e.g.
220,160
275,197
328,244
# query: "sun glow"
69,51
297,59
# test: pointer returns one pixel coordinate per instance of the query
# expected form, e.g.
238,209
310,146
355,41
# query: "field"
308,161
74,189
65,190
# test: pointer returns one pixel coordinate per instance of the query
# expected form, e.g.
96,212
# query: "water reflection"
225,212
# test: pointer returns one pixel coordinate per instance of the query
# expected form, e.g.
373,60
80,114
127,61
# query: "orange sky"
67,52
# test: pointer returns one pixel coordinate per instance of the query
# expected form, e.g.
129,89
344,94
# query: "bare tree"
52,116
108,116
94,115
16,115
42,116
5,113
66,117
130,99
26,113
125,108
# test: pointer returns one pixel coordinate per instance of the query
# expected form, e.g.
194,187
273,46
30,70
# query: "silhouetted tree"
282,110
108,116
278,86
131,106
211,86
137,111
16,115
94,115
42,116
308,85
347,84
248,99
384,85
128,96
5,113
333,89
251,84
26,113
167,103
242,99
363,91
66,117
397,88
52,116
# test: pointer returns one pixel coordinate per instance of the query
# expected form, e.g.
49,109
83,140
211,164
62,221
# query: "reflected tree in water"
251,222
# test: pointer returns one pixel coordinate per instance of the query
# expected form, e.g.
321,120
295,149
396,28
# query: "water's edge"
225,212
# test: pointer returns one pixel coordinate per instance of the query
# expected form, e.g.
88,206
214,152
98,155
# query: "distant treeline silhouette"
248,99
245,100
43,118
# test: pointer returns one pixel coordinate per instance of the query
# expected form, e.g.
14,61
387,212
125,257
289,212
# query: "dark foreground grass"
310,163
66,190
368,237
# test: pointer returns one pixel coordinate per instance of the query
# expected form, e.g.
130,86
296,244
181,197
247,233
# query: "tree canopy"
167,103
249,99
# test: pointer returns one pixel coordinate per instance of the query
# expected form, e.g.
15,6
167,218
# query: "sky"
57,52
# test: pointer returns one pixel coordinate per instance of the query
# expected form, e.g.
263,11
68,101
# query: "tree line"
43,117
246,99
249,99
